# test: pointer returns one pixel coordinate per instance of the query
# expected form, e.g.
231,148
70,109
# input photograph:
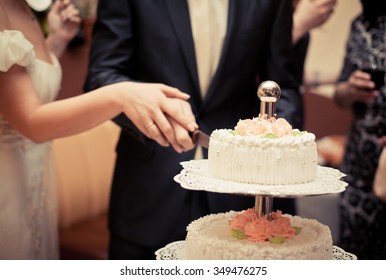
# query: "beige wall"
325,57
327,44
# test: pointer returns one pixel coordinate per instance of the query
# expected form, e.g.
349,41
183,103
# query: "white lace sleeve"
15,49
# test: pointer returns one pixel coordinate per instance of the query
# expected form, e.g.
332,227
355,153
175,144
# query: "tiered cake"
260,153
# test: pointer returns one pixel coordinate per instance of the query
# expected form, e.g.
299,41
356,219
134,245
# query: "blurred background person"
361,90
308,14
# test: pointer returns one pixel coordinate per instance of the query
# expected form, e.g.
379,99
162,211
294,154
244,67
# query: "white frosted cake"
218,237
263,151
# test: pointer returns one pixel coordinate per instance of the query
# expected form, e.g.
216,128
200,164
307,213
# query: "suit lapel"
179,15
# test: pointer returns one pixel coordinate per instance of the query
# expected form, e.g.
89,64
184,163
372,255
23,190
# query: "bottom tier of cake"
209,238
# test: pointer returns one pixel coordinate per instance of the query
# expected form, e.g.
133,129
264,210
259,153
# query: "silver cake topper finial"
268,92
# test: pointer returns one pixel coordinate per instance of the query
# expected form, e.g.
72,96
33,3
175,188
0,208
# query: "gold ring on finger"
149,125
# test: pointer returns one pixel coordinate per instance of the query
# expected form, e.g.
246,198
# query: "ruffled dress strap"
15,49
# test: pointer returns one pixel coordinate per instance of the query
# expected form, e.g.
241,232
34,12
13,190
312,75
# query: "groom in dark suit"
215,50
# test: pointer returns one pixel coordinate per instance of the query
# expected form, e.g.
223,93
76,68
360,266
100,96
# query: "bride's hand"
151,107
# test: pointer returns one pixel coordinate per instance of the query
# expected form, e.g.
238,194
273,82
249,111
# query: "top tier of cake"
263,151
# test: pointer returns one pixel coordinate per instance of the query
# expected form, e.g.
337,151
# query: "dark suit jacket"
151,41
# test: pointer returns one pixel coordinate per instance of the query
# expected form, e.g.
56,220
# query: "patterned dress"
363,216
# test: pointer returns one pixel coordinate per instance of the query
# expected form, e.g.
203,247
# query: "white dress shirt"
208,19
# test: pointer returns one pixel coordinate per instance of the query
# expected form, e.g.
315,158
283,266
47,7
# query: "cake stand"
195,175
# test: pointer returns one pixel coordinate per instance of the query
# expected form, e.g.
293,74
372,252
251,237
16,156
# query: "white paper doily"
176,251
195,176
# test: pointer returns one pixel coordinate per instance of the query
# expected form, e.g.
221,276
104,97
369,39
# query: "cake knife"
200,138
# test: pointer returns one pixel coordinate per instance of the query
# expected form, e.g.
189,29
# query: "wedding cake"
264,151
243,235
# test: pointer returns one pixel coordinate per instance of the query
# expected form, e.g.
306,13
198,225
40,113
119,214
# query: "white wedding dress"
28,203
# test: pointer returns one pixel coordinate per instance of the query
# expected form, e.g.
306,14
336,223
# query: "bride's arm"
142,103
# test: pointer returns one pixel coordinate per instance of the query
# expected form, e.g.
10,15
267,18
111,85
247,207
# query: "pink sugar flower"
281,127
277,214
263,125
240,220
282,227
258,230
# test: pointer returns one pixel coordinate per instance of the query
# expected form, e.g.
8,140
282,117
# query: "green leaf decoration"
271,136
298,230
297,132
238,234
276,239
234,133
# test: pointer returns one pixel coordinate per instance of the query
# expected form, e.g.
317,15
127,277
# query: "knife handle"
200,138
194,135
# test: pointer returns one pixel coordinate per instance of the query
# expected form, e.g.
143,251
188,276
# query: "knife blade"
200,138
